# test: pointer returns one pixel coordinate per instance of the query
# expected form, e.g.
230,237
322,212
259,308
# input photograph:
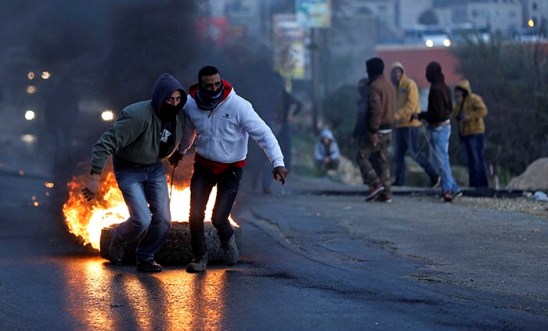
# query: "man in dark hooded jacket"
439,128
379,119
145,133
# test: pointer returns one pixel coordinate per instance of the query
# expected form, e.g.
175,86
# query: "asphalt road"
308,262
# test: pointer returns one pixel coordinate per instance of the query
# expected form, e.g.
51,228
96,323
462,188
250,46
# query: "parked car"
429,36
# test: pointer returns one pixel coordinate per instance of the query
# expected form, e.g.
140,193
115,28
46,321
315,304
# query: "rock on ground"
535,177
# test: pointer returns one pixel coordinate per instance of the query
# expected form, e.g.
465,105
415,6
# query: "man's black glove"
174,159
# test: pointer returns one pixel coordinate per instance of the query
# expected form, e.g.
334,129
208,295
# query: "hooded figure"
326,152
439,130
382,98
439,97
407,95
145,133
379,120
406,135
469,111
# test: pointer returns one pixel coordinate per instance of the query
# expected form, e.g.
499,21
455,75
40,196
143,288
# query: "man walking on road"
221,122
145,133
379,119
439,128
406,132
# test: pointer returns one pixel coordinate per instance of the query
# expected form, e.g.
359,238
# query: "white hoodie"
222,135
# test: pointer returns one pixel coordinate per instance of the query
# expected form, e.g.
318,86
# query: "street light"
31,89
30,115
107,115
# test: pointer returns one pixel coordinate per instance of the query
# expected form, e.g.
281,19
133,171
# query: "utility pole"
315,73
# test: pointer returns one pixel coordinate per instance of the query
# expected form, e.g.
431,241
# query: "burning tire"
177,249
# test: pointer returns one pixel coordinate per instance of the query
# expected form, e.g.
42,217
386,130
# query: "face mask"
212,94
208,100
170,111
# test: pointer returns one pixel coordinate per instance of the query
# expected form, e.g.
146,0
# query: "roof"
416,58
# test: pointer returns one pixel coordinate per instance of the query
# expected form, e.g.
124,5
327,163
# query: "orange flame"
85,219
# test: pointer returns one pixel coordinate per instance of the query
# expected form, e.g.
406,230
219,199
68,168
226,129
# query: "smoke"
106,54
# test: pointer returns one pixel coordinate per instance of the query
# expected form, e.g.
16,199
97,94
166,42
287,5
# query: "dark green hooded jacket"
134,138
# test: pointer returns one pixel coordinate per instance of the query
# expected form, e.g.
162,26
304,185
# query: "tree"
106,51
513,80
429,17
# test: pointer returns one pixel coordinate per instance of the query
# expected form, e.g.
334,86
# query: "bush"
513,81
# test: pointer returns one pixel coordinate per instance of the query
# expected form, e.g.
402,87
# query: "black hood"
165,85
433,72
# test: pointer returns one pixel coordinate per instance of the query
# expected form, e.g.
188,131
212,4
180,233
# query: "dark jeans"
476,166
407,141
146,195
201,184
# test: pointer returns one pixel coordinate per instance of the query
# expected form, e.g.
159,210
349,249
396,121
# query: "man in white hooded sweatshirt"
220,122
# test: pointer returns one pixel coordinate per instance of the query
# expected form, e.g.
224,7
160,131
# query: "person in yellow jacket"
469,111
406,132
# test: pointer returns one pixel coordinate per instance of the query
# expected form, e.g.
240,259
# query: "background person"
220,122
326,152
469,111
379,120
145,133
406,132
439,128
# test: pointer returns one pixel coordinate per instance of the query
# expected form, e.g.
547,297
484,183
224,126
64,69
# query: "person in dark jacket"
379,119
145,133
439,128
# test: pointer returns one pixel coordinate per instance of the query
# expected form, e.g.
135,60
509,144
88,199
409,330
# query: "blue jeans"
477,172
201,184
146,195
439,147
407,140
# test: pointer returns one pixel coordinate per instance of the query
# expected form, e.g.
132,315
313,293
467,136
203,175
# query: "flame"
85,219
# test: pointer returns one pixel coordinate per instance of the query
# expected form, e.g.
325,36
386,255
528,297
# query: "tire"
177,248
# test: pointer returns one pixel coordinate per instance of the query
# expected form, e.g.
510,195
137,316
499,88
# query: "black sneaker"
116,249
457,194
148,266
384,197
435,182
374,191
197,265
231,251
